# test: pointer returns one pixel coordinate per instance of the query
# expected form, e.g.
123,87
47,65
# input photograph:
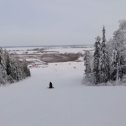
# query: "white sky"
45,22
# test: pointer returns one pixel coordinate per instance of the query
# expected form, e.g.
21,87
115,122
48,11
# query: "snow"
67,50
70,103
30,50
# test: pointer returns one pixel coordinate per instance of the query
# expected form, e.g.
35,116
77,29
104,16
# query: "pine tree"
119,40
96,68
25,68
104,61
11,70
8,67
87,64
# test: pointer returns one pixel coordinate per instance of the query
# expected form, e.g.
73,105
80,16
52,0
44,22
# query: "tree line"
11,69
108,61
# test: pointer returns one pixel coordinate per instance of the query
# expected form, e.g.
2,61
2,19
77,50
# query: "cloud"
57,21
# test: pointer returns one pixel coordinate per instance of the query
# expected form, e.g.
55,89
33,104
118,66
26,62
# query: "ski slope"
70,103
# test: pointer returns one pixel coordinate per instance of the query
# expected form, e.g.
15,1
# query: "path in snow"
70,103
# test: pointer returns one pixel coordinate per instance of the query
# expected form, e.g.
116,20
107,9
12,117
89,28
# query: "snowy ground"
70,103
41,56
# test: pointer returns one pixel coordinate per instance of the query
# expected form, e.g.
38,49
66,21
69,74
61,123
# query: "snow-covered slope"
70,103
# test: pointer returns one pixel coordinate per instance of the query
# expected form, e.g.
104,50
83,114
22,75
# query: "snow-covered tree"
87,63
109,59
104,61
11,70
119,52
96,68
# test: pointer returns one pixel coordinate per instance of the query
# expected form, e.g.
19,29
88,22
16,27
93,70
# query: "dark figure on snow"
51,85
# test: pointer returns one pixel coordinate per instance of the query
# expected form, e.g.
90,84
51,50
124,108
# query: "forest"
107,63
12,69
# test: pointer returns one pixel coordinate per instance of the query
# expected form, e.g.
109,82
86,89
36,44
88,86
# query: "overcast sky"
45,22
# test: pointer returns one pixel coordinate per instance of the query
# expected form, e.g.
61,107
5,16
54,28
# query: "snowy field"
70,103
40,56
34,50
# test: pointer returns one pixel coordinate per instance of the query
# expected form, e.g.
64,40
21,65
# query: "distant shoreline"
50,46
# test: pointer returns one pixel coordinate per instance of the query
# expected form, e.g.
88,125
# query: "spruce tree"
104,61
119,40
96,68
87,64
11,69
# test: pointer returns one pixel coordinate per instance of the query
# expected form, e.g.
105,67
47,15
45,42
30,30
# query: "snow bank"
70,103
